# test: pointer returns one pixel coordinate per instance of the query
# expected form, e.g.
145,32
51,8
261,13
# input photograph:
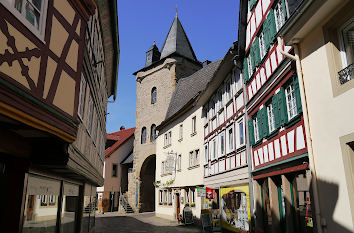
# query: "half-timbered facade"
277,138
225,156
55,78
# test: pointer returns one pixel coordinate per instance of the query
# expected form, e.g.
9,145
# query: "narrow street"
139,223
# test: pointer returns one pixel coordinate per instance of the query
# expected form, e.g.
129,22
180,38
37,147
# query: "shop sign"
210,193
201,192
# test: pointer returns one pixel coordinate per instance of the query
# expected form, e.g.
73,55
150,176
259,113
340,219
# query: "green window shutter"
265,122
283,5
260,125
252,3
266,34
276,111
256,51
282,107
252,58
271,25
297,95
245,70
250,131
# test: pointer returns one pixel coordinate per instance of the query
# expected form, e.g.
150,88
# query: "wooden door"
178,205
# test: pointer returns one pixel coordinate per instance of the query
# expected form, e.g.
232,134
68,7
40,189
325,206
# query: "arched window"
143,135
153,133
153,95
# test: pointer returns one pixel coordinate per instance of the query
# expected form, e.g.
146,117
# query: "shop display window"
41,206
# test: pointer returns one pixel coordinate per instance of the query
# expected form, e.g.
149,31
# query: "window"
262,46
220,100
153,95
291,101
228,90
256,129
44,201
214,149
153,133
241,132
90,115
194,124
180,131
212,107
82,96
165,197
161,197
347,52
95,125
179,162
271,121
191,159
206,154
114,170
187,195
169,137
231,139
222,144
33,11
143,135
280,14
196,162
170,197
249,64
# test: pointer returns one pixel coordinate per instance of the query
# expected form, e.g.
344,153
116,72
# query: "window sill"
180,140
179,170
259,142
293,121
272,134
166,174
221,109
166,146
192,134
195,166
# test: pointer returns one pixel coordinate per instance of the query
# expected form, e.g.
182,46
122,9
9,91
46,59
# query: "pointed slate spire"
177,42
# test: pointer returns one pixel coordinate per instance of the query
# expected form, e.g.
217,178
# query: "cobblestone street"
138,223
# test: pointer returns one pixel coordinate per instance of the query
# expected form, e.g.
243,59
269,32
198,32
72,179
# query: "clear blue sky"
211,26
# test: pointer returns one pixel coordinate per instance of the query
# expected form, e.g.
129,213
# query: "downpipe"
320,222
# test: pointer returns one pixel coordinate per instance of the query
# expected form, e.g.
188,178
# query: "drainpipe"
319,221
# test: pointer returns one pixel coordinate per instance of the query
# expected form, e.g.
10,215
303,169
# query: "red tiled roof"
120,137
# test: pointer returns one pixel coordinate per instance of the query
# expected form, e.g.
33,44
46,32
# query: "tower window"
153,133
143,135
153,95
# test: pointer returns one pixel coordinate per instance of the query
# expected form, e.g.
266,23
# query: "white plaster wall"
186,177
330,118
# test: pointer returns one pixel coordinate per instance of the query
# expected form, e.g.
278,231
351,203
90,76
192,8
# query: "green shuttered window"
245,70
251,131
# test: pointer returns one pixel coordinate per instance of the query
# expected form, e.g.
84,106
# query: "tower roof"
177,42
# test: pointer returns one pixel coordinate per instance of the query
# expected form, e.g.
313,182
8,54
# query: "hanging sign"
210,193
201,192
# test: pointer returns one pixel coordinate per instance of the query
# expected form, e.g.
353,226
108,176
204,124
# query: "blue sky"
211,26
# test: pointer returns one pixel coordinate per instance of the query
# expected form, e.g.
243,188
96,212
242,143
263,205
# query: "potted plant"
193,204
187,204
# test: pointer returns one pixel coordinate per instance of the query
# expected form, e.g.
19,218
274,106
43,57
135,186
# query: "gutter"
116,52
320,222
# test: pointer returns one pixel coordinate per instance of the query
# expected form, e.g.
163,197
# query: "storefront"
52,203
229,207
283,202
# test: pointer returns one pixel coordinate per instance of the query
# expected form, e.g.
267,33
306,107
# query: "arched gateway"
147,188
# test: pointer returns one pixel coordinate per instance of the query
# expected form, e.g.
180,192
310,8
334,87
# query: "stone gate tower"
155,85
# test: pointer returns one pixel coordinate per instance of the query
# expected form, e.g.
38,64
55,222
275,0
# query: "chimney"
206,62
122,127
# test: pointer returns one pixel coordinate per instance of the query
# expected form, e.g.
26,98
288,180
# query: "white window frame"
196,157
279,16
262,47
231,141
38,32
161,197
342,43
249,64
191,158
271,120
206,153
194,125
181,131
179,162
256,129
240,132
290,101
228,89
222,144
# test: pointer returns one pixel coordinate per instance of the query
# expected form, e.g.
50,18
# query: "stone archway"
147,188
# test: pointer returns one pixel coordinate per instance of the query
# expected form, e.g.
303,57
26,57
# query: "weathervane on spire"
175,6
